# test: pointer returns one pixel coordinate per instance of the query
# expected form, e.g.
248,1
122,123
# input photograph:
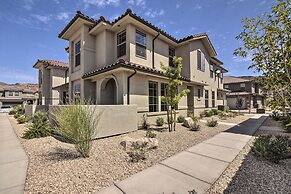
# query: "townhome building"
119,63
18,94
53,82
246,89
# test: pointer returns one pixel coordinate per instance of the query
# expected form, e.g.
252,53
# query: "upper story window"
141,44
77,53
226,86
121,44
171,56
211,68
16,93
200,61
242,85
10,93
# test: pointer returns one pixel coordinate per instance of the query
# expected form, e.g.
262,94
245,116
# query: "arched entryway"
108,91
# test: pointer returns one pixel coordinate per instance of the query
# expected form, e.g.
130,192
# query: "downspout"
128,86
153,50
66,75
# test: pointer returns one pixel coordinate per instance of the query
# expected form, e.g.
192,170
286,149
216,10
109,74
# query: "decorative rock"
127,142
188,122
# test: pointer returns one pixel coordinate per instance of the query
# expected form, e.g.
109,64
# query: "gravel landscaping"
248,174
55,166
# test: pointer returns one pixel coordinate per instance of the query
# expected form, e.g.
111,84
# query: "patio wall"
114,119
31,109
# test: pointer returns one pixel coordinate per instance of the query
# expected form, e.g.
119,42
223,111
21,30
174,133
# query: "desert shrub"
195,126
223,115
19,109
16,115
195,118
276,115
150,134
77,123
180,119
212,123
138,151
215,111
21,119
208,113
12,112
40,126
145,124
160,121
227,109
270,148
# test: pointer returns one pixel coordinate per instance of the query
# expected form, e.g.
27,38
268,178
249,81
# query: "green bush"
138,151
212,123
16,115
12,112
215,111
270,148
195,126
180,119
77,123
287,127
276,115
223,115
21,119
19,109
40,126
160,121
150,134
208,113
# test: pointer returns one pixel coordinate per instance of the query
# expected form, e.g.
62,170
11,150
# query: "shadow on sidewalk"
248,127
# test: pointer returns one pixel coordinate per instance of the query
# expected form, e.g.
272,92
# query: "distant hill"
2,83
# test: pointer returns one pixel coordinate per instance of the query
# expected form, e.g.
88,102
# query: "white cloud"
57,1
197,7
113,17
263,2
41,18
178,5
136,2
239,59
63,16
154,13
27,4
101,3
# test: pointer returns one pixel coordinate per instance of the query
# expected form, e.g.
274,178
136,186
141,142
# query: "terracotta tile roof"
53,63
232,79
125,64
138,18
79,14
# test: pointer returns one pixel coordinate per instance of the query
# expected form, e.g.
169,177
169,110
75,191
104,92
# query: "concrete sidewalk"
13,160
195,169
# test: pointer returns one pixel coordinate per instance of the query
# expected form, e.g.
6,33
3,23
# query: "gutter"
128,86
153,50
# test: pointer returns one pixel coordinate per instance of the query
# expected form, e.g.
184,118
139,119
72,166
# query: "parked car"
5,109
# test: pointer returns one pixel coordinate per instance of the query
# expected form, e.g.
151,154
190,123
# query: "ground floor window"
163,93
206,99
213,99
153,96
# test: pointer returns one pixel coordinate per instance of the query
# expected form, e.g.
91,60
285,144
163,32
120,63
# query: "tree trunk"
174,119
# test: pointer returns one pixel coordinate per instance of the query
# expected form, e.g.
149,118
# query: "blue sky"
30,27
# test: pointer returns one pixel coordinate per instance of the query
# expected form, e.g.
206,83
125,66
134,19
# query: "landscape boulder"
188,122
126,143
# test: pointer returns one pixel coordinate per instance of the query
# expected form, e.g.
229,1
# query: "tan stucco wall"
111,119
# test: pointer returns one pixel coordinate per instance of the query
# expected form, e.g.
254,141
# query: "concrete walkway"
13,160
196,168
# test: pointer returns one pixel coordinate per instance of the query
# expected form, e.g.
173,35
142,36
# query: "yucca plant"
40,126
77,122
21,119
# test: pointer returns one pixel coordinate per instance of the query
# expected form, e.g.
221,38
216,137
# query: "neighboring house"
18,94
119,63
246,89
53,82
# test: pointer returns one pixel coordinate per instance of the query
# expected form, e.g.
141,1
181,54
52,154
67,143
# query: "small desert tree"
239,103
173,96
267,39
